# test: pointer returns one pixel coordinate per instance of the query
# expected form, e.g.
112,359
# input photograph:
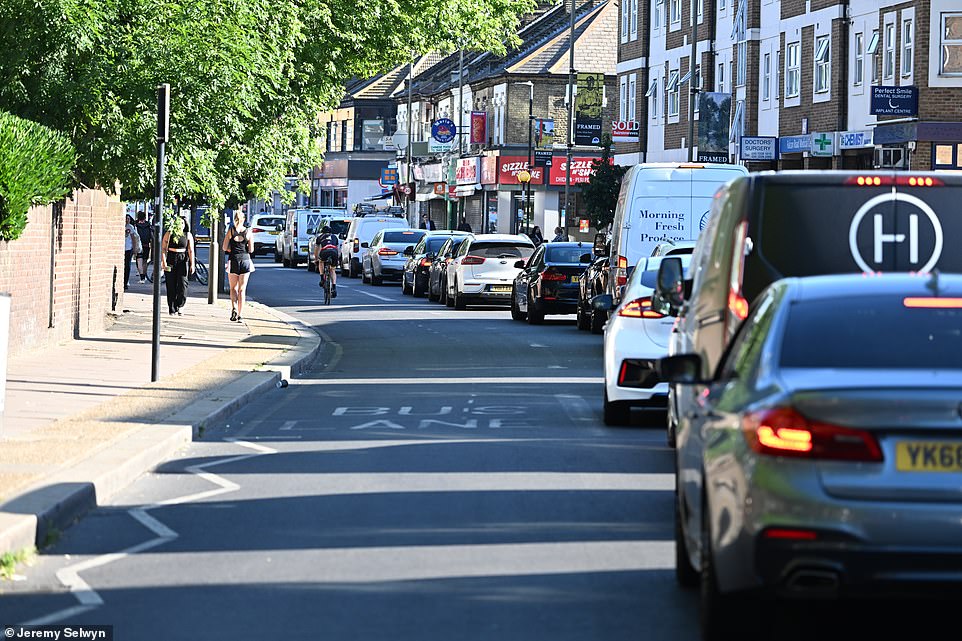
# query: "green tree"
600,194
248,79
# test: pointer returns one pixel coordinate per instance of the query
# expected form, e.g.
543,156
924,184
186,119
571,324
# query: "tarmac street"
438,475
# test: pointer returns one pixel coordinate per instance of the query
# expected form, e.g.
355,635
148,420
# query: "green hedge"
36,166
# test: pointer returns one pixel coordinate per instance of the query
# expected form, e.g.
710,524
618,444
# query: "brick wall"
549,102
88,275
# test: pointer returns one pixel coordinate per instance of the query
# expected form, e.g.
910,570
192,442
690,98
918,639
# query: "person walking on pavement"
177,260
427,223
559,235
239,246
131,247
463,225
536,236
146,234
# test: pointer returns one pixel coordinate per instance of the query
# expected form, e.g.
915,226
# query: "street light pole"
571,108
410,172
693,89
528,205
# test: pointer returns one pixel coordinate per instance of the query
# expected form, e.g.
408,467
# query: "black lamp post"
528,204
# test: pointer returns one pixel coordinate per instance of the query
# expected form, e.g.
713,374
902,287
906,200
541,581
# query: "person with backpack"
326,247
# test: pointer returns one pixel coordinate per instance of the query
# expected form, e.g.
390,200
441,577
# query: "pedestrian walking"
177,259
559,235
427,223
131,247
536,236
463,225
146,233
239,246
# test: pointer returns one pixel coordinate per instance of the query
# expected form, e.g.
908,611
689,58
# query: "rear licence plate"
273,233
575,279
500,288
928,456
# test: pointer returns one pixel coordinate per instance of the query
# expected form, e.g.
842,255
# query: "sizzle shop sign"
581,170
510,166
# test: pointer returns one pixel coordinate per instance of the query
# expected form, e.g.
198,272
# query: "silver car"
384,258
824,458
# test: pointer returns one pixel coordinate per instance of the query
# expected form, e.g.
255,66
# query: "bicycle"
327,281
201,275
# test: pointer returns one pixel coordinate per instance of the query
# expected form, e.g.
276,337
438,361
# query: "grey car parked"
824,456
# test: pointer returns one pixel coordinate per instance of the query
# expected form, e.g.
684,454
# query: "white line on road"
480,380
287,426
377,296
89,598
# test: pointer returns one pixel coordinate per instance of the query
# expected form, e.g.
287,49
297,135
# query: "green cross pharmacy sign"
823,144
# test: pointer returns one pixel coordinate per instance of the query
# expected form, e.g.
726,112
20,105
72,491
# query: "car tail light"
622,262
790,534
551,275
257,230
425,262
357,245
386,251
639,308
295,226
932,303
737,305
472,260
782,431
902,181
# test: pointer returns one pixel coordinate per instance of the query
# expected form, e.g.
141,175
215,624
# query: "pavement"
83,420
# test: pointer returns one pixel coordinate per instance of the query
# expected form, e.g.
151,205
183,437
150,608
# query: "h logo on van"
884,241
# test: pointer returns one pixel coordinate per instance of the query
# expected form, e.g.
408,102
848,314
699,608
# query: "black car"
417,269
594,281
548,282
438,276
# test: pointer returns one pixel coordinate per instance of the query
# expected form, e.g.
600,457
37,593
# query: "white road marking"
578,411
480,380
377,296
287,426
89,598
537,345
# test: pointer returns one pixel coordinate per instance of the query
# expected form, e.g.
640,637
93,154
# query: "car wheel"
354,268
344,271
617,412
459,302
598,322
416,291
376,280
363,275
582,321
277,256
448,298
516,313
535,315
685,573
431,295
404,285
285,262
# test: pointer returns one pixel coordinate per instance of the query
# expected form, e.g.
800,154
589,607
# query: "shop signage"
544,133
894,101
466,172
795,144
430,173
509,166
479,127
489,170
759,148
443,132
625,131
823,143
388,176
854,139
588,106
439,188
713,126
542,157
581,170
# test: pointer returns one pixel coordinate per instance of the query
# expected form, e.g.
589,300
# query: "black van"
771,225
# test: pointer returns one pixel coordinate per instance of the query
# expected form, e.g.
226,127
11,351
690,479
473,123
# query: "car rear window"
568,254
269,222
402,236
856,333
434,244
501,250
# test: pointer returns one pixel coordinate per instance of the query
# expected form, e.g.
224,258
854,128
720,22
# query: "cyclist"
325,253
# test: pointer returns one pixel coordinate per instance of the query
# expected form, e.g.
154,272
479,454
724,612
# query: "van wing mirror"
600,246
683,369
519,264
670,286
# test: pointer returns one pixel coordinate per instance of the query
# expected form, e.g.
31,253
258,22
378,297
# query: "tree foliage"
600,194
248,78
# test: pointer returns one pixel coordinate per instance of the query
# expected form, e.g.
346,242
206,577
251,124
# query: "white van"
359,235
293,243
661,202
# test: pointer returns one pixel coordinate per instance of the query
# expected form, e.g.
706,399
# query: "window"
674,11
672,90
632,83
888,62
792,71
623,101
767,77
653,94
859,59
701,10
872,50
657,13
742,63
697,85
633,19
908,45
722,5
951,41
721,77
778,74
822,63
625,14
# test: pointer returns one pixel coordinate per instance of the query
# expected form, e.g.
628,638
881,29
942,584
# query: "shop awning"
466,190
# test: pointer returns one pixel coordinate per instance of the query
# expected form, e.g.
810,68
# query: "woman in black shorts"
239,246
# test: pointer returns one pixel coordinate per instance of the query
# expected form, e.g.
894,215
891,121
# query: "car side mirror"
409,250
279,227
603,303
683,369
365,244
670,285
600,246
342,236
519,264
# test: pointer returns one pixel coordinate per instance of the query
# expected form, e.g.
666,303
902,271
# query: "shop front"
919,145
469,191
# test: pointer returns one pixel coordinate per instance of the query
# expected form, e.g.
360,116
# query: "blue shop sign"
895,101
444,130
894,134
795,144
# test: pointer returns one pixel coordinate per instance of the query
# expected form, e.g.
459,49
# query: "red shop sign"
509,166
581,170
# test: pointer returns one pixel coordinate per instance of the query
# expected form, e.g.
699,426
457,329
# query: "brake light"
933,303
295,226
472,260
552,276
919,181
901,180
737,305
789,534
623,372
257,230
870,181
622,262
357,245
782,431
639,308
386,251
425,262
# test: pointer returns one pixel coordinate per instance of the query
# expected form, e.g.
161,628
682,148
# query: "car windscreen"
411,237
857,333
501,250
568,255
